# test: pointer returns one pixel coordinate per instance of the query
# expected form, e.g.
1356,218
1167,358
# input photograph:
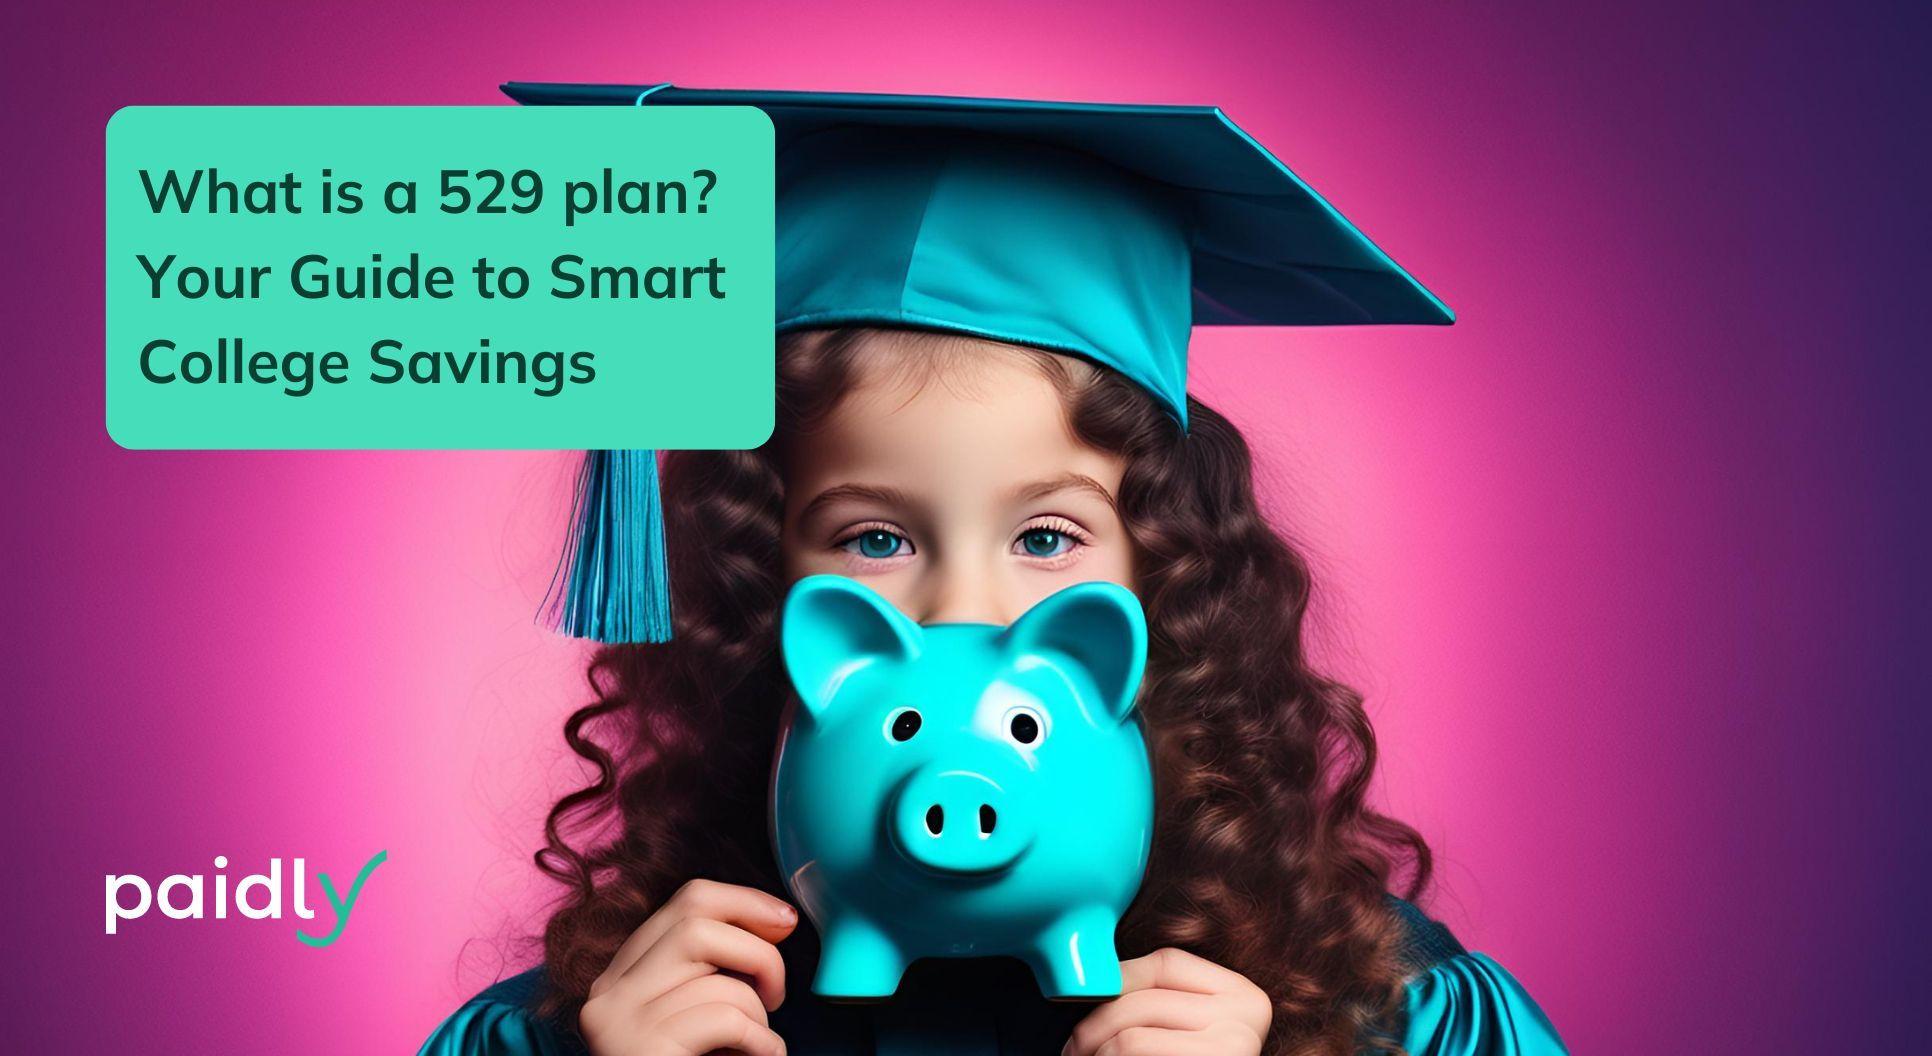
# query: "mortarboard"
1098,230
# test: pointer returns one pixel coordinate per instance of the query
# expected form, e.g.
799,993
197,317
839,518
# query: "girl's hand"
1173,1003
699,976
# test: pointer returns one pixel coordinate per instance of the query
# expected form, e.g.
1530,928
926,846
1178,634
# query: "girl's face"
956,490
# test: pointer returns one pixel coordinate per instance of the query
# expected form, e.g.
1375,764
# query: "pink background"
1628,561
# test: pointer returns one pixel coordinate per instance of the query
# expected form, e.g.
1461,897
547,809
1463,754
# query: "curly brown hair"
1267,857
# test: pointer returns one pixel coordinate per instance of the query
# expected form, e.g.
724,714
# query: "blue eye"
1045,542
877,543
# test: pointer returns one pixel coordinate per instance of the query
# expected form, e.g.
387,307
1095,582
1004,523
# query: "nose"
963,592
956,821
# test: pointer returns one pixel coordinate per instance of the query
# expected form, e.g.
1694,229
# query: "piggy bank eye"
1024,725
903,724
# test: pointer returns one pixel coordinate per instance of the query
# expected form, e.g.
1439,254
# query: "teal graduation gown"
1458,1003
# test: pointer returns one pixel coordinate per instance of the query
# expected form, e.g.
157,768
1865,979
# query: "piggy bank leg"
857,962
1075,959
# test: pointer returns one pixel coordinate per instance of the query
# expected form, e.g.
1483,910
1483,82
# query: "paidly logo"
257,896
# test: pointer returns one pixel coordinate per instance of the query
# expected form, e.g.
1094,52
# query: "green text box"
678,334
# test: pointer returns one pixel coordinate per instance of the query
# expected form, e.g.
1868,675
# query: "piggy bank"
962,790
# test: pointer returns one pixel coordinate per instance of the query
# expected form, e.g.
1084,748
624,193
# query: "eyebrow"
884,496
1065,482
888,496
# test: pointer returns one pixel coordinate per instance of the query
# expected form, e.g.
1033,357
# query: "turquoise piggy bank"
963,790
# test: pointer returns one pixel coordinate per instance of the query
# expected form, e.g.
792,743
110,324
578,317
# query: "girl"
981,400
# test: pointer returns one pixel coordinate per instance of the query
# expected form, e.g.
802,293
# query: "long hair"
1267,857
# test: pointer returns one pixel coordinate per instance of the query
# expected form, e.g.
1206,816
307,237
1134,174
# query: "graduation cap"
1096,230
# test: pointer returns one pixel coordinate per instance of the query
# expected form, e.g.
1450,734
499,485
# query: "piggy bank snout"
957,821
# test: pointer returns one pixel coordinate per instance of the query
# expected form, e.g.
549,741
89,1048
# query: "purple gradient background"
1630,561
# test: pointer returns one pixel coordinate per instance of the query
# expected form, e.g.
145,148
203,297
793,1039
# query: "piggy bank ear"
832,626
1101,627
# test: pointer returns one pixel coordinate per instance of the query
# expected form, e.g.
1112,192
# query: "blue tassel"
611,584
